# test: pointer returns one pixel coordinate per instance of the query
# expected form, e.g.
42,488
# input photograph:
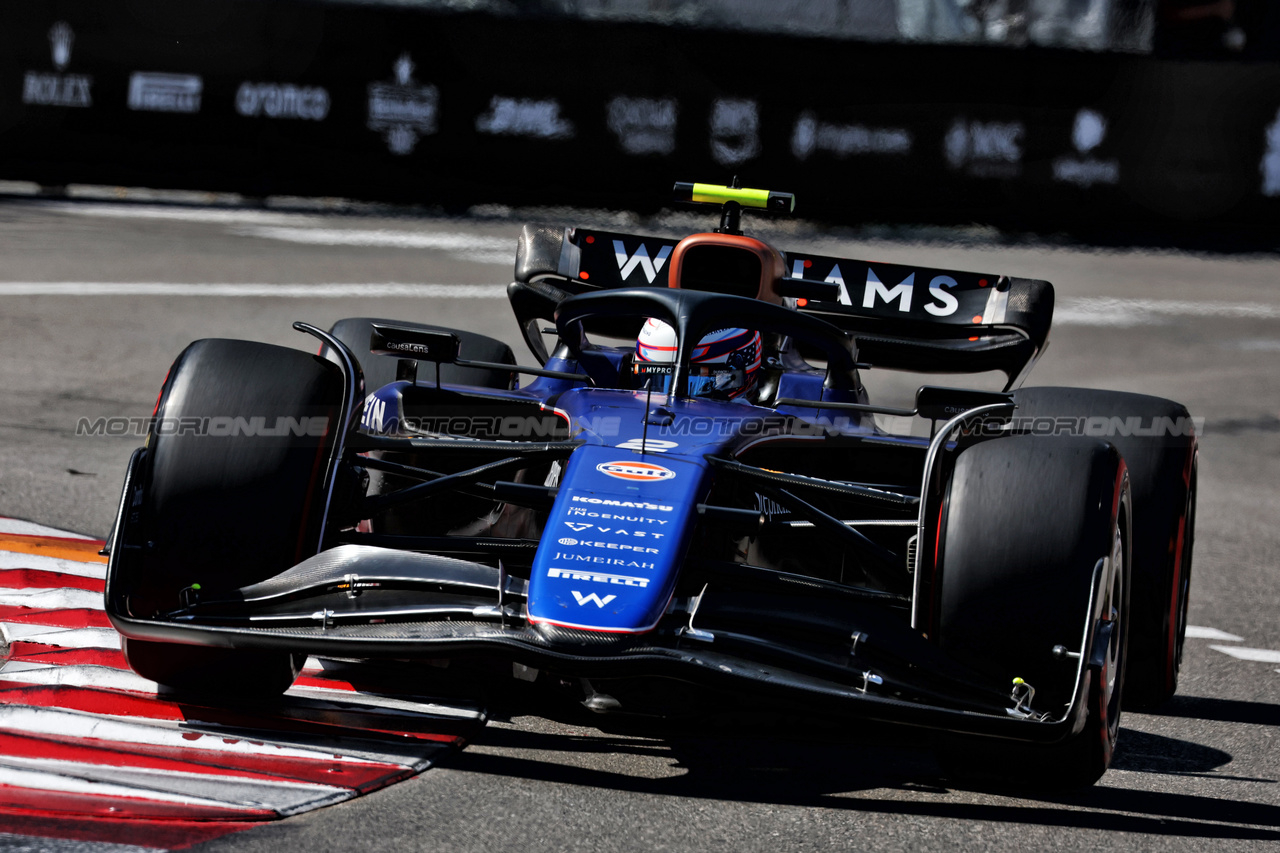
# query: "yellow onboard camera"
732,199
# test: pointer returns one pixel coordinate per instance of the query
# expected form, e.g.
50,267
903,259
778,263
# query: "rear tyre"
1025,521
1162,474
231,496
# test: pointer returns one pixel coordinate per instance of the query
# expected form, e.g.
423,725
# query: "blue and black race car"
690,488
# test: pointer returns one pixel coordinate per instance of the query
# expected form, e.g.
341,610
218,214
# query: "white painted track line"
80,675
62,638
51,599
206,215
229,790
30,528
12,560
44,780
1260,655
387,238
37,721
1114,311
1199,632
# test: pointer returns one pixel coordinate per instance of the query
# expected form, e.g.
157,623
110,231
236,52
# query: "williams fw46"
689,488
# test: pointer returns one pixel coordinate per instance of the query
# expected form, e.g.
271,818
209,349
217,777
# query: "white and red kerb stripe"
90,753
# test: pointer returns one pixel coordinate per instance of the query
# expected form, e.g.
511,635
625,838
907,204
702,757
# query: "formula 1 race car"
689,491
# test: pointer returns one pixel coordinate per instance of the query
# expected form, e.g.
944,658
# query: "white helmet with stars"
723,365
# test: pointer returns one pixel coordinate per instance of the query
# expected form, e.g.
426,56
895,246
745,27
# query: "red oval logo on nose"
635,471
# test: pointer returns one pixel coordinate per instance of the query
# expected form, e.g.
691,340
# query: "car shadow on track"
884,770
1143,752
1221,710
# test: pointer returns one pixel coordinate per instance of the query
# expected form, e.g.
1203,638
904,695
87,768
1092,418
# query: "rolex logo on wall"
56,89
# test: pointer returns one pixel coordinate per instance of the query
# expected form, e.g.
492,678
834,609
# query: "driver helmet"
723,366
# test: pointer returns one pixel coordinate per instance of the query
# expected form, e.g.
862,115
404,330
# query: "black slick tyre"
1026,523
232,495
1159,447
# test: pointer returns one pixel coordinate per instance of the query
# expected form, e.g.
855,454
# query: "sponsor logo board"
1084,169
375,413
901,294
735,131
578,557
643,125
643,505
594,598
597,577
570,542
985,149
160,92
611,516
1270,165
530,117
45,89
402,110
282,101
811,136
627,264
616,531
636,472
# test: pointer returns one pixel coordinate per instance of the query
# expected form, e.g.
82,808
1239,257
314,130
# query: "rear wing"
903,317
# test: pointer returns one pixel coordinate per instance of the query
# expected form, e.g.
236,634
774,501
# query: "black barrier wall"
398,104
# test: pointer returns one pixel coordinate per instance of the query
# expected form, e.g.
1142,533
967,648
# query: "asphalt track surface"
98,297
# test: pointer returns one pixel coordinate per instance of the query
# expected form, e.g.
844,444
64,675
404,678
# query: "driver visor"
704,381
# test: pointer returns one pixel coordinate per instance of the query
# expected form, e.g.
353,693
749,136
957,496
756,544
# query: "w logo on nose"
599,602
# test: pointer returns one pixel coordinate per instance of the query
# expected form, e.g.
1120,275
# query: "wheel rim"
1184,579
1113,612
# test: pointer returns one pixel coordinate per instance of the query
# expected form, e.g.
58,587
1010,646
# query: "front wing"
822,647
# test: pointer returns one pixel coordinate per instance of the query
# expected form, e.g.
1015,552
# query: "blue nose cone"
615,539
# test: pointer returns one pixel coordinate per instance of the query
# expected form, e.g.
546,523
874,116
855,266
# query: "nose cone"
615,540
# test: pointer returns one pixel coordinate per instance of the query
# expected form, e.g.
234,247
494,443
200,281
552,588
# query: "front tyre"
1158,443
232,494
1026,522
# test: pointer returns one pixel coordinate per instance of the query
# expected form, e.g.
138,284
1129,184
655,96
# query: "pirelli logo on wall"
155,91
